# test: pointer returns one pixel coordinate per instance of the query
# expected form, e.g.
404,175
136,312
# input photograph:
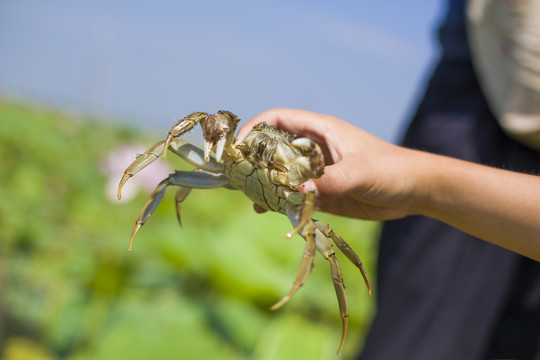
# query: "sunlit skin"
369,178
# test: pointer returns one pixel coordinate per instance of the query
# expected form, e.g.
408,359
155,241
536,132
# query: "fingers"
364,177
301,122
336,181
327,131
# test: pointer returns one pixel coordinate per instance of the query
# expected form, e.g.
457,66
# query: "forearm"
371,179
502,207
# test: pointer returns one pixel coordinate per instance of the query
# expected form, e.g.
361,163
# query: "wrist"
428,174
441,184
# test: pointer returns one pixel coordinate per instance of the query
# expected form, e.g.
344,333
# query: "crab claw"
218,131
311,163
183,126
220,147
208,145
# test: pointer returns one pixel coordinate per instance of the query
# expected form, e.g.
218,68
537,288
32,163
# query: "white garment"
504,37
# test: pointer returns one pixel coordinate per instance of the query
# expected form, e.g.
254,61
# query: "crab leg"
295,214
218,131
186,179
305,265
183,126
345,249
306,212
324,246
181,195
183,149
195,156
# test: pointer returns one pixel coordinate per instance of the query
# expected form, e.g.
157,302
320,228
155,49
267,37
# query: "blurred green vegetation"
70,289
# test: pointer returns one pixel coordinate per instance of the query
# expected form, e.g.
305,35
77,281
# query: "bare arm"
368,178
500,206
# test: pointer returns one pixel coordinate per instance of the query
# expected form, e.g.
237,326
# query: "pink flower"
117,162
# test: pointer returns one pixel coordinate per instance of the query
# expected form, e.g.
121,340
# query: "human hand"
364,177
368,178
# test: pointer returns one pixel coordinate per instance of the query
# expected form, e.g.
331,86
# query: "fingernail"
309,186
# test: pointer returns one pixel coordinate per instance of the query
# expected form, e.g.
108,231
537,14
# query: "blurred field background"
69,289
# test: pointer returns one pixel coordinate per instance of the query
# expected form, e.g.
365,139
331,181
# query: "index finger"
299,122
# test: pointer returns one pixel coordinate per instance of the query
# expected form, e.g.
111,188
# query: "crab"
269,165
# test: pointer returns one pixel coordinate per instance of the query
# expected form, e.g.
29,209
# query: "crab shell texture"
268,165
272,165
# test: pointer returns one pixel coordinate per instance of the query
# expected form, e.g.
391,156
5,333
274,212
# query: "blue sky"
150,62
